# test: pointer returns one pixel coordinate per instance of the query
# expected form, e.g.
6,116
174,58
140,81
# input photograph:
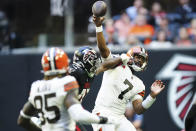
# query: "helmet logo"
89,56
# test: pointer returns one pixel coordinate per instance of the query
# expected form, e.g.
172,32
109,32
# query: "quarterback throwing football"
120,86
55,98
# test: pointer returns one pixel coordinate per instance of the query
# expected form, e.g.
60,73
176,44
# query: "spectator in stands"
184,9
166,27
142,30
192,30
142,11
132,40
8,38
122,27
91,31
132,11
161,40
135,119
110,32
157,13
184,39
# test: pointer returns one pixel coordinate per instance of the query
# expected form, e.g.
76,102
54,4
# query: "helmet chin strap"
136,68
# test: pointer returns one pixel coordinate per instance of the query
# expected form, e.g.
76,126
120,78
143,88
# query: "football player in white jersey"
120,86
54,99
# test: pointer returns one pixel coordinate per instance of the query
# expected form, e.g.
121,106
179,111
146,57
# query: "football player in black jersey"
85,63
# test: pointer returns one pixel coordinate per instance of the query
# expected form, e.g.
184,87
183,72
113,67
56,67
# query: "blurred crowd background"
154,23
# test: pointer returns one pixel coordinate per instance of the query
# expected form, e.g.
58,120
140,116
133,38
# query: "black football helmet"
88,58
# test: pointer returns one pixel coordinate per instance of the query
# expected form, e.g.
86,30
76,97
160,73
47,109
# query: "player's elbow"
21,121
139,112
105,52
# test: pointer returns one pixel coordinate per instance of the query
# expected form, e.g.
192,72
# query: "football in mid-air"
99,8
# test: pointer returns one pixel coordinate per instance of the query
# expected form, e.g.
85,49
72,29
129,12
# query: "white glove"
125,58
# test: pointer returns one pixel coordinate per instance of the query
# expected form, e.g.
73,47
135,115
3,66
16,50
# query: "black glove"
103,120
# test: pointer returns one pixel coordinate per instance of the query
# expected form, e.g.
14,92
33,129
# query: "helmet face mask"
88,58
139,58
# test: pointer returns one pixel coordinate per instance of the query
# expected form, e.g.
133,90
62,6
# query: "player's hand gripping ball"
99,8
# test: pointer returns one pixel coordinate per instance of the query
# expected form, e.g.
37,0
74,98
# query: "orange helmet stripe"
55,61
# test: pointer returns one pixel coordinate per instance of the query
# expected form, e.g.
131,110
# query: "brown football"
99,8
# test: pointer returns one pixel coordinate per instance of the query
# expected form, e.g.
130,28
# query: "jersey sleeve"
70,85
139,95
109,57
135,97
140,92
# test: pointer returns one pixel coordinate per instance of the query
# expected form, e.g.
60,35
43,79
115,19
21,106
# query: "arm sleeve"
83,116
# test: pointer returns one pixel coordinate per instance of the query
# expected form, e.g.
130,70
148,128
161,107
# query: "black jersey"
81,76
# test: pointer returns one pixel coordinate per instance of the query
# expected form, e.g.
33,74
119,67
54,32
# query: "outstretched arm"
108,64
104,50
79,114
141,106
112,62
24,119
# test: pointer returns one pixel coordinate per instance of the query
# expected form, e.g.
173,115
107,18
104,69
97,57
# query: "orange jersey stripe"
142,93
71,85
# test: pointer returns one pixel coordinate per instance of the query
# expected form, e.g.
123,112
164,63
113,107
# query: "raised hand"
156,88
98,20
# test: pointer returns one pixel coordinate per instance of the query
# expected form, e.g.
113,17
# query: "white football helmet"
139,58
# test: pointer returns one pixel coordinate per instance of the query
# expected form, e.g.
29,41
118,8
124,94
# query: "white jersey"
119,86
47,96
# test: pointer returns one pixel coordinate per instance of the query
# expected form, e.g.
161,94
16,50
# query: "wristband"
148,102
25,116
99,29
